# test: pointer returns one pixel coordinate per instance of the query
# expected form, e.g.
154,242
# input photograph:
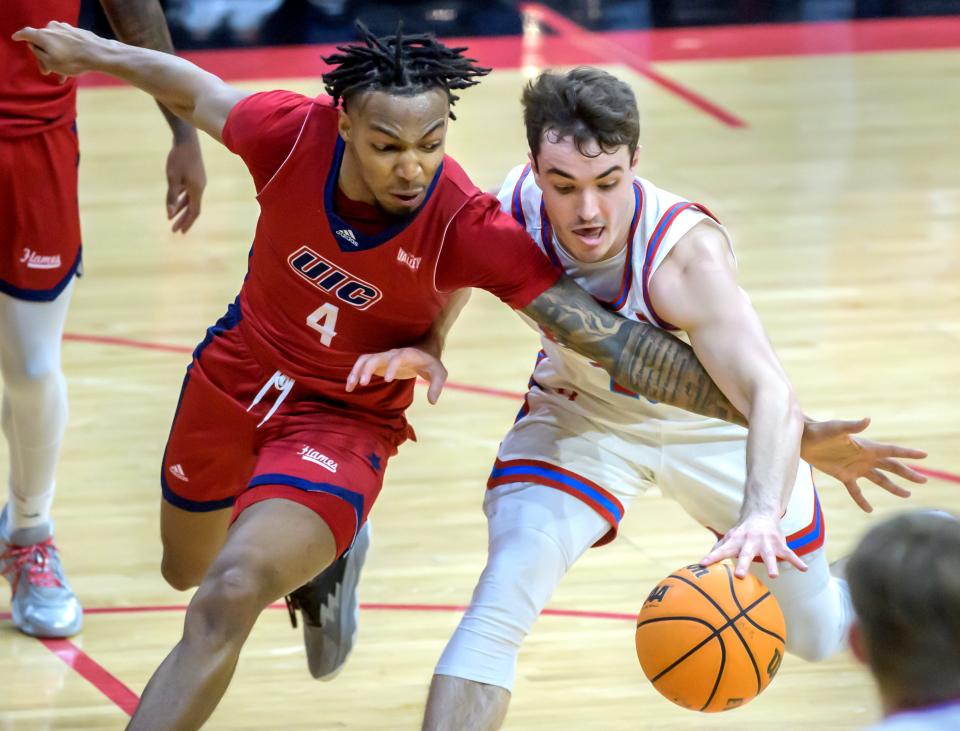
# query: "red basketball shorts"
242,434
39,216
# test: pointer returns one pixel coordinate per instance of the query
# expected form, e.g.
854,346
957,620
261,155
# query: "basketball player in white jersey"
582,447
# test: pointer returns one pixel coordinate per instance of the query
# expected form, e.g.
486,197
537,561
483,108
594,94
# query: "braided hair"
402,64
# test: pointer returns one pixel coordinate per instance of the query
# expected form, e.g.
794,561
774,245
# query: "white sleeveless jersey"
660,219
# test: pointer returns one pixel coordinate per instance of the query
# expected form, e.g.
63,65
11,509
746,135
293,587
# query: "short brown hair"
587,104
905,587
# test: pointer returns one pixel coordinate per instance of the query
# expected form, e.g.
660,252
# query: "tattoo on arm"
639,356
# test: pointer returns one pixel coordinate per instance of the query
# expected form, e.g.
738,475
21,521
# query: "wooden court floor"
843,196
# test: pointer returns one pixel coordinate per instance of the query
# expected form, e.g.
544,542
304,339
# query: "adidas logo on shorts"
177,471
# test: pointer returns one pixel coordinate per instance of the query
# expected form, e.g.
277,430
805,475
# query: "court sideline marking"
126,700
609,51
93,672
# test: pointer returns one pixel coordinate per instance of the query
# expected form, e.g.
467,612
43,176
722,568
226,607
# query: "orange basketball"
709,641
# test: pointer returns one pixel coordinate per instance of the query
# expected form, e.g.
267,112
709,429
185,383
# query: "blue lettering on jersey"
328,277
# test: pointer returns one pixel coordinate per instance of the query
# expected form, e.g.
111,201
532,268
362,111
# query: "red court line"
609,50
126,342
939,474
482,390
94,673
125,699
369,607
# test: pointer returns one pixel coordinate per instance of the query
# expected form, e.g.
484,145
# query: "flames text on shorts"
310,454
33,260
327,276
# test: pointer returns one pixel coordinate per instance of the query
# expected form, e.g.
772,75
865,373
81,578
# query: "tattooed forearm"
141,23
657,365
640,357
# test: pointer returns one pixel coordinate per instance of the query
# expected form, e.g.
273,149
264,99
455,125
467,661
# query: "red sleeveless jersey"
29,101
318,293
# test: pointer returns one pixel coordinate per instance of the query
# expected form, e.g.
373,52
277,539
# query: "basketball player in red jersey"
39,259
366,229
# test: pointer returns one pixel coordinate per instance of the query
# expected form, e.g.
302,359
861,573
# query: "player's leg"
207,461
39,253
816,606
321,452
536,533
273,547
34,412
301,509
34,416
209,455
191,541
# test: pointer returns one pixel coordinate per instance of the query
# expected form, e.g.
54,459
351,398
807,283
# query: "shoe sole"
42,632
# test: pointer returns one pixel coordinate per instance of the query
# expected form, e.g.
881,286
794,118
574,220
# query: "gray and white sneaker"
43,604
331,610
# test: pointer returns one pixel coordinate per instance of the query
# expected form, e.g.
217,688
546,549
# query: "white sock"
27,512
34,411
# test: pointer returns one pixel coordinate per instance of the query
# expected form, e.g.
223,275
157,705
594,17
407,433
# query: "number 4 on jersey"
324,321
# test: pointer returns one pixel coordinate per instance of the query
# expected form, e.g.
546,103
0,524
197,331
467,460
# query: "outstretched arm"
188,91
696,289
141,23
653,363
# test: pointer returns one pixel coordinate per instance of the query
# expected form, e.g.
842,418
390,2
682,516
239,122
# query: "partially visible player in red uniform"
366,231
39,260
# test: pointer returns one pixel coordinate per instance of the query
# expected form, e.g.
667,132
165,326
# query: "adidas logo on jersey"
347,235
411,261
309,454
177,471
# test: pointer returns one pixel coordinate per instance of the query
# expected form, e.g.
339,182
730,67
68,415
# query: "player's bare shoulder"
699,272
705,244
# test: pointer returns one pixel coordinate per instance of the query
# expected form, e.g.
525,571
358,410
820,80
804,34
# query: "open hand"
755,535
831,447
400,363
